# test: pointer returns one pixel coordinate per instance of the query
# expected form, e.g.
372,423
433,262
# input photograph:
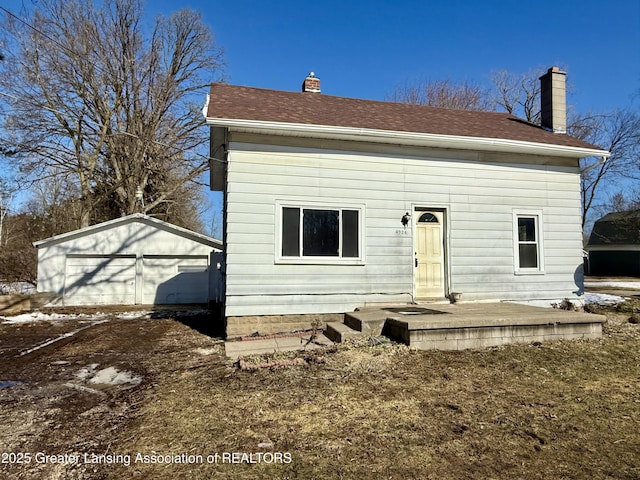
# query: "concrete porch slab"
479,325
491,314
271,345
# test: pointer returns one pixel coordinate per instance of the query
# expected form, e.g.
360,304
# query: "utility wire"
69,51
77,55
96,124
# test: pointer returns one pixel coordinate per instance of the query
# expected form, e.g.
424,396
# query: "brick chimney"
553,100
311,84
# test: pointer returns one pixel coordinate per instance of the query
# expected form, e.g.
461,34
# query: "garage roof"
617,228
136,217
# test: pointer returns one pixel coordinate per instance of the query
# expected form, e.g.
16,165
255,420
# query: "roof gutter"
406,138
596,164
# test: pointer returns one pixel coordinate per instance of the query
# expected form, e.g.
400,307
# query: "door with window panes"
429,255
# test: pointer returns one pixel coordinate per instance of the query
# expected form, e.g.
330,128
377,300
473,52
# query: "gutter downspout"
597,164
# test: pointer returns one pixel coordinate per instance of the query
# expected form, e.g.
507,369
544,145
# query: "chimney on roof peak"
311,84
553,100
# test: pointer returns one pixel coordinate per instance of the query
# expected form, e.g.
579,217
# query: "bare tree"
442,93
622,201
6,197
619,133
517,93
98,98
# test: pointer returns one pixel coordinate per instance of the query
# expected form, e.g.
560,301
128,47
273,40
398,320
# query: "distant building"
614,245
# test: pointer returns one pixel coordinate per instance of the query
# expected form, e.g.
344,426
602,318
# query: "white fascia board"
407,138
135,217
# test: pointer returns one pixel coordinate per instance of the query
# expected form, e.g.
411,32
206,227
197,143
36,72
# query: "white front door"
429,254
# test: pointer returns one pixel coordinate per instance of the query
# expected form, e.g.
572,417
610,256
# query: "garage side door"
100,280
175,280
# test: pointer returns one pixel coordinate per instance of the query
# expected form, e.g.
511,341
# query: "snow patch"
113,376
49,317
25,288
106,376
87,372
207,351
634,285
602,299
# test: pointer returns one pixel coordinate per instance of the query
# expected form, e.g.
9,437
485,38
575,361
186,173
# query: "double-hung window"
528,252
324,234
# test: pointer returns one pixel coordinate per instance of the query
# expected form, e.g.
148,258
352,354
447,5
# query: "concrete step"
235,349
369,322
339,332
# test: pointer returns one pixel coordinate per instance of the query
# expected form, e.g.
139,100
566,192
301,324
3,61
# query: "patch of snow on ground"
635,285
17,287
207,351
49,317
602,299
113,376
132,315
87,372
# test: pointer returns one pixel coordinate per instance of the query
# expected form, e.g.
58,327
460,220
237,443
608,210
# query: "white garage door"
170,280
100,280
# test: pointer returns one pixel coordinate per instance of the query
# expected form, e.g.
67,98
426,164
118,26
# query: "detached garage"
614,245
131,260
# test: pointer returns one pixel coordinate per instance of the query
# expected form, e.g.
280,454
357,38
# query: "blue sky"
365,48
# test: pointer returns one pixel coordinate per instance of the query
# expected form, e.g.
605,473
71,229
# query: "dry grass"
560,410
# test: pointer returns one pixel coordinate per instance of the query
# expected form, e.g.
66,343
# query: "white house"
336,203
130,260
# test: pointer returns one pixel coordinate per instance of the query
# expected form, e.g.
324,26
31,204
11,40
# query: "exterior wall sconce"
405,220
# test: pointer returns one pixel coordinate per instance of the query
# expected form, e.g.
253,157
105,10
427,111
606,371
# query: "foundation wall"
270,324
481,337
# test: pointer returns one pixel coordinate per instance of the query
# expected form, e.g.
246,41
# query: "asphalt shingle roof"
232,102
618,228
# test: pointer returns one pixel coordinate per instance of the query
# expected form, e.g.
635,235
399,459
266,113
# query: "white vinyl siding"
479,197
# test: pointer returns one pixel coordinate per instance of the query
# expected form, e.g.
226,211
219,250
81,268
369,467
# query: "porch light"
405,220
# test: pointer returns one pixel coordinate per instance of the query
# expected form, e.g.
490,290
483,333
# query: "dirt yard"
155,398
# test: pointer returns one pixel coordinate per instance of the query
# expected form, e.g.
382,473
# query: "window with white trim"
324,234
528,256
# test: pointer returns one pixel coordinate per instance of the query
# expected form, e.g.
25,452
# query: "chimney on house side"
553,100
311,84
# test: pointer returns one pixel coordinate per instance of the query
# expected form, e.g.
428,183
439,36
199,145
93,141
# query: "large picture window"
320,233
528,242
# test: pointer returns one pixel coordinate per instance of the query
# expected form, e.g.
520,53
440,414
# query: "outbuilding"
614,245
135,259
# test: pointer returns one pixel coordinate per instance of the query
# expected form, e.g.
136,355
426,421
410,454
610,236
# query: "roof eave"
213,242
405,138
